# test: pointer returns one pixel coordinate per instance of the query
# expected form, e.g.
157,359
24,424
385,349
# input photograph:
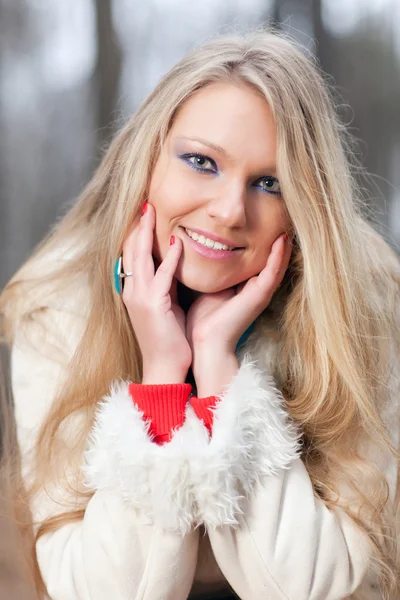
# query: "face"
216,178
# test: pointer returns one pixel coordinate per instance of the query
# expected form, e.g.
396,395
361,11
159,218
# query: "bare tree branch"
108,69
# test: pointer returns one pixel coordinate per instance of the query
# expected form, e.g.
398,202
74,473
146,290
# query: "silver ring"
119,275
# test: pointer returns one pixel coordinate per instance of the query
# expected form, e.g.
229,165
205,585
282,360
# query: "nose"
228,207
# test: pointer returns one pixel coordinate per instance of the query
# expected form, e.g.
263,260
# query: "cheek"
161,193
173,197
171,194
270,226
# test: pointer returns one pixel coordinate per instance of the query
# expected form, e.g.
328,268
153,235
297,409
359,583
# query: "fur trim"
252,439
122,459
193,480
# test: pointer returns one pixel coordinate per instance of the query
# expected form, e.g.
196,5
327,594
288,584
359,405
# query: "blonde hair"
338,326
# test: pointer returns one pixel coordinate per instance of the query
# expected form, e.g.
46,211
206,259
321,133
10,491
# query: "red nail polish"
144,208
285,237
172,240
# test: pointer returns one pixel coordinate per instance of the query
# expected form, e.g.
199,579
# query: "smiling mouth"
208,242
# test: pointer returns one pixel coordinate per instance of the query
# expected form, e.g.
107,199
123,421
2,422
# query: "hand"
215,322
151,301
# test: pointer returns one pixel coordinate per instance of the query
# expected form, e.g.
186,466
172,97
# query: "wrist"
213,372
162,376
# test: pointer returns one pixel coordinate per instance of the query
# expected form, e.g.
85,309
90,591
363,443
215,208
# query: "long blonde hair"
338,325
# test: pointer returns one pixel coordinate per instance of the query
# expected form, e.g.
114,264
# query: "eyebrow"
217,148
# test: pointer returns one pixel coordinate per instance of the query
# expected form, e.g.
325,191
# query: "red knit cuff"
162,405
162,439
202,406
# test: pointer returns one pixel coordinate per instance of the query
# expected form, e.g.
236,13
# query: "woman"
218,409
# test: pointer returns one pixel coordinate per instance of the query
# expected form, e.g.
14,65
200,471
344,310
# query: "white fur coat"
166,522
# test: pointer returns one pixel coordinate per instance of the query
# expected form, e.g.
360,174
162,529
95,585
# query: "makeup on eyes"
187,151
186,145
197,160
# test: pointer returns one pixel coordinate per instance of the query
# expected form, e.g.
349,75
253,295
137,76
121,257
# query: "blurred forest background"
73,71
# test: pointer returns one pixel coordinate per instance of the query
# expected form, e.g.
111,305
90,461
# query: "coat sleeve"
273,537
137,537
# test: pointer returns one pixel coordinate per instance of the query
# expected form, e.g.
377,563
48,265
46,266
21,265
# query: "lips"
215,238
210,253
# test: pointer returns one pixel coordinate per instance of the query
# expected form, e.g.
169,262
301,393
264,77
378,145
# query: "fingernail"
172,240
144,208
285,237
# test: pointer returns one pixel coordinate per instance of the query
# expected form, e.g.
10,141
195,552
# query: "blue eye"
200,162
269,184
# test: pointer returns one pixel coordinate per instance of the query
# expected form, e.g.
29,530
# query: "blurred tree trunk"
108,70
15,582
323,50
275,14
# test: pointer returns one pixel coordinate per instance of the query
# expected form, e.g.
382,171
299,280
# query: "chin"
204,282
203,288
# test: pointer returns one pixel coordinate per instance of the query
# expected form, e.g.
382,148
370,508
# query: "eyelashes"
198,161
272,185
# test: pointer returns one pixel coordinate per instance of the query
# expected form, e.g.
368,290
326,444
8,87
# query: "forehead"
229,114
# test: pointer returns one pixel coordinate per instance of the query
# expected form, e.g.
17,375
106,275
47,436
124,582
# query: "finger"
146,232
127,253
271,276
255,294
163,278
131,235
137,253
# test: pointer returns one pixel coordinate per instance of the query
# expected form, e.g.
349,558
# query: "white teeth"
206,241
